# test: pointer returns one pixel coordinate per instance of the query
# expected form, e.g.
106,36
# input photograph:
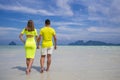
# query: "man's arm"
55,42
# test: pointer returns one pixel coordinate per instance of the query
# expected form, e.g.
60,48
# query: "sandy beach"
68,63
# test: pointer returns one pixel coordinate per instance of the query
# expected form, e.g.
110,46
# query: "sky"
72,19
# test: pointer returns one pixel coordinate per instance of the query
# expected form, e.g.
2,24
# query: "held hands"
38,47
23,41
55,47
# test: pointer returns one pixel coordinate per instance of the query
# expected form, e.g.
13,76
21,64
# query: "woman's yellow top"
33,33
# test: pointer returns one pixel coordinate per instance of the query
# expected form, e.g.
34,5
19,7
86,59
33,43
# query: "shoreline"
68,63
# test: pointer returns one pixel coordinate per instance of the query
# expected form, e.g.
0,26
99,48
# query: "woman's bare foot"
30,70
27,71
47,69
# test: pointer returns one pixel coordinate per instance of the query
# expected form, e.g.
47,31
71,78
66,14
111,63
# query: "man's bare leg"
48,61
42,60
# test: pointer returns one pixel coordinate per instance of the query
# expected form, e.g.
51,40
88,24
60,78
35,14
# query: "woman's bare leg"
29,63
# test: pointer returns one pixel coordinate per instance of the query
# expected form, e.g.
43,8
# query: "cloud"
101,10
9,29
60,8
115,11
17,20
103,29
67,23
67,29
9,34
24,9
68,33
64,7
74,19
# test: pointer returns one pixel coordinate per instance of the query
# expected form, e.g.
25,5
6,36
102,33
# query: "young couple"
46,34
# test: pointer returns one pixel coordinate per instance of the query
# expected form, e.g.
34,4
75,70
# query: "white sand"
68,63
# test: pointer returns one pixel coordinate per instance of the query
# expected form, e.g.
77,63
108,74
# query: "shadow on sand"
37,68
19,68
22,68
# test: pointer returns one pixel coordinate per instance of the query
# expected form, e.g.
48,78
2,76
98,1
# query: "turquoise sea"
68,63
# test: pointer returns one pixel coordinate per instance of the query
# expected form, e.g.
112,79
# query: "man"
46,33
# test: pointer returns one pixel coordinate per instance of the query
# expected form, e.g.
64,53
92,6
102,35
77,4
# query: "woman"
30,43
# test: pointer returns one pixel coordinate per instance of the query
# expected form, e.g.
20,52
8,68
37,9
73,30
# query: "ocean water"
68,63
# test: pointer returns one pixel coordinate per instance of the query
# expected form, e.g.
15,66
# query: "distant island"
94,43
12,43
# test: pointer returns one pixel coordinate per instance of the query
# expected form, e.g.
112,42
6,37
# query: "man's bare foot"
41,70
47,69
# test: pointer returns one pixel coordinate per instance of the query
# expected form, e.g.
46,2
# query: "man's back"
47,33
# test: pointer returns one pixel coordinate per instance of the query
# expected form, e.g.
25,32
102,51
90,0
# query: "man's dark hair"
47,22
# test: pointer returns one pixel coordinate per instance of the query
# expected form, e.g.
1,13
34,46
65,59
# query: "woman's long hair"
30,26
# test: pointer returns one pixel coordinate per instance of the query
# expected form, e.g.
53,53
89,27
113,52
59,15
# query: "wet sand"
68,63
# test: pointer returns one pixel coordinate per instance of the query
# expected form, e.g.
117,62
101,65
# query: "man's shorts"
45,51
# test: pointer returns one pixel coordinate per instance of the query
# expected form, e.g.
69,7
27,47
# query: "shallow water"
68,63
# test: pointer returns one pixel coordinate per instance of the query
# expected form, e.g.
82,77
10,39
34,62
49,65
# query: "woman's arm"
21,38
